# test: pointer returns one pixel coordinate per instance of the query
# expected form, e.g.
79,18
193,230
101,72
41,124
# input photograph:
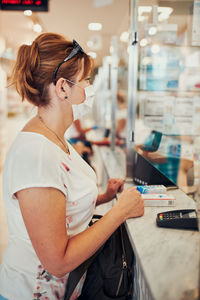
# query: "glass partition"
122,92
111,85
167,127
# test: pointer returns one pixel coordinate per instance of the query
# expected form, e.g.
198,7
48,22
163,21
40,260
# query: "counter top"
169,258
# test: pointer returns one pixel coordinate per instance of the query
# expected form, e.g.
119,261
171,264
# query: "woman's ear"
62,88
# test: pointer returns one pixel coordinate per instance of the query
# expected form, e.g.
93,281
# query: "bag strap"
75,275
94,217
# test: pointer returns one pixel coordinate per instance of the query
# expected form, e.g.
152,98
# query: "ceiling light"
92,54
95,41
95,26
155,49
124,37
28,12
28,43
143,42
164,13
144,9
152,30
37,28
165,10
90,44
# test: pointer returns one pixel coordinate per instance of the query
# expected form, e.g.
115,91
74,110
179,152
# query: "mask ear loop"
73,84
65,95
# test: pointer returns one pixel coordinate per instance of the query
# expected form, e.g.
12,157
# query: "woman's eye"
88,79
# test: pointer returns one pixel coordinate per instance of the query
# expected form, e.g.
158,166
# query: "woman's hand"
114,186
130,203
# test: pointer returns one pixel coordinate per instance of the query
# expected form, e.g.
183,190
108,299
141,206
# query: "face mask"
80,110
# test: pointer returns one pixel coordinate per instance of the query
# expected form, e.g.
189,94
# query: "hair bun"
34,59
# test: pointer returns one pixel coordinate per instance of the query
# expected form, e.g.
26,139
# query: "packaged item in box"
151,189
151,203
158,200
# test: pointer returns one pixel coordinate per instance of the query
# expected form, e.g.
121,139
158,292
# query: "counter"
167,260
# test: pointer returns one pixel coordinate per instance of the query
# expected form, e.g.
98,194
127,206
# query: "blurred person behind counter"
47,214
76,135
121,116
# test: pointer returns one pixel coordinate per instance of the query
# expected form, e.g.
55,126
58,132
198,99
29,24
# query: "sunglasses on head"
76,49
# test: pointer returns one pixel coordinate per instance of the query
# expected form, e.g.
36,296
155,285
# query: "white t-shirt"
35,161
71,132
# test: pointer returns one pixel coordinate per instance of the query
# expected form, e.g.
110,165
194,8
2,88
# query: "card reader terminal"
183,219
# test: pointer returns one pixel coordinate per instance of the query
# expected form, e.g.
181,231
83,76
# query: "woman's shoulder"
33,161
33,145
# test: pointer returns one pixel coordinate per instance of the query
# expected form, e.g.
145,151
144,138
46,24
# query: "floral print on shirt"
50,287
66,167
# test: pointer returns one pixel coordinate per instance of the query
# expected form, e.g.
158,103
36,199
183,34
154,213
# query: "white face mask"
80,110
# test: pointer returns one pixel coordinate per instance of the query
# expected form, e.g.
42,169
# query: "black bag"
109,270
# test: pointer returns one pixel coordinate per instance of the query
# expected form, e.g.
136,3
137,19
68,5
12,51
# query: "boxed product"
158,200
151,189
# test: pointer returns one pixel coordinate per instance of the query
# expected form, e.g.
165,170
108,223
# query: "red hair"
35,65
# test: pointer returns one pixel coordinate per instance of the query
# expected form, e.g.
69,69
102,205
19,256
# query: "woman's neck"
57,121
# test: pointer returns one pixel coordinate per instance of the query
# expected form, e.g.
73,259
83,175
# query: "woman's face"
77,92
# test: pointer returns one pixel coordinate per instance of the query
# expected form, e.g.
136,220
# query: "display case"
158,85
167,105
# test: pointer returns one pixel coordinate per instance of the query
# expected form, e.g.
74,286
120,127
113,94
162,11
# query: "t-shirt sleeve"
36,166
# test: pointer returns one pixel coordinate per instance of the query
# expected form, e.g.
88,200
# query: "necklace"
41,120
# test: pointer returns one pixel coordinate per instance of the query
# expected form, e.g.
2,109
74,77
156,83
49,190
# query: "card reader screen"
188,215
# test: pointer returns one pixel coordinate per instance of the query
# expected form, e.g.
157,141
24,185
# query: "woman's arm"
80,129
44,214
114,186
101,199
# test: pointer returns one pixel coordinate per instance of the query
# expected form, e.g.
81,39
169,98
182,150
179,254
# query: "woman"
49,190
